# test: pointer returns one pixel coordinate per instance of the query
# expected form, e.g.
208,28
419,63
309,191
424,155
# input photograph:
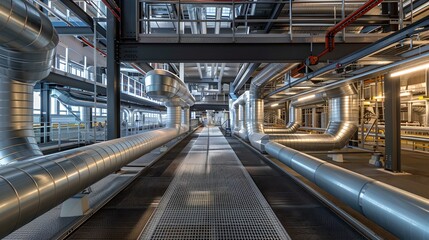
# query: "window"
54,106
36,103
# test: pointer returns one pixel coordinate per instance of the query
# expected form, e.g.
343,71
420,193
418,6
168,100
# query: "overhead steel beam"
82,15
58,77
227,52
81,31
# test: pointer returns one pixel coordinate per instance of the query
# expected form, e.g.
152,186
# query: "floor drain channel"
213,197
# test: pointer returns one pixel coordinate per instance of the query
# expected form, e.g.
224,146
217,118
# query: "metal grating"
213,197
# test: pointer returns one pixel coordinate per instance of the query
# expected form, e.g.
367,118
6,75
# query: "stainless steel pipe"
342,125
30,188
295,120
27,44
404,214
343,112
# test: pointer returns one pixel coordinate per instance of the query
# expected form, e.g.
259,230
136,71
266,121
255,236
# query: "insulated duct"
30,188
161,85
186,115
404,214
27,44
295,120
255,103
343,115
68,99
241,126
343,109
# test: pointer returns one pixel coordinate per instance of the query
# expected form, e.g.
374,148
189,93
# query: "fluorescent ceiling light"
302,87
306,97
405,94
410,70
275,104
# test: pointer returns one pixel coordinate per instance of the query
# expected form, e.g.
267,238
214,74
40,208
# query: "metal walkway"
200,190
213,197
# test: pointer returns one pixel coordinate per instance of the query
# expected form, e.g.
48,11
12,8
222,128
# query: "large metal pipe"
68,99
164,85
255,103
30,188
404,214
295,120
342,125
251,68
240,74
27,44
186,115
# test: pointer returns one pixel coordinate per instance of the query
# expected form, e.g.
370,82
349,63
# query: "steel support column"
392,112
45,112
113,80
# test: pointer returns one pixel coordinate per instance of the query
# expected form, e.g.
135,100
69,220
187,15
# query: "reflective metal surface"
186,116
30,188
26,54
404,214
295,120
163,85
343,116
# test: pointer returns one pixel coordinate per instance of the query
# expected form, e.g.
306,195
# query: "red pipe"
88,43
330,35
116,14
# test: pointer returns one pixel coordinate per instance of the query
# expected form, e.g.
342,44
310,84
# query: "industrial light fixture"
410,70
275,104
403,94
302,87
306,97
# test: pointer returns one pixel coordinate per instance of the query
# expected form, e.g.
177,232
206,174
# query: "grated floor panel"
213,197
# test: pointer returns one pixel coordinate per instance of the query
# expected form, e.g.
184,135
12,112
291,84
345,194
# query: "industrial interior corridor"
201,190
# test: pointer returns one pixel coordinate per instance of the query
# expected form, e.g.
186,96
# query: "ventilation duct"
239,107
247,102
68,99
26,54
343,115
402,213
295,120
30,188
343,122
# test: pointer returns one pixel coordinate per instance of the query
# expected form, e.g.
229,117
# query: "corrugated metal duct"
27,44
30,188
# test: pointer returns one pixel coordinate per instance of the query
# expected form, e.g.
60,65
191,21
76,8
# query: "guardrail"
62,134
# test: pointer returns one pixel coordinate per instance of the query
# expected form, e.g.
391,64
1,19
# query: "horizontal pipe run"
30,188
404,214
